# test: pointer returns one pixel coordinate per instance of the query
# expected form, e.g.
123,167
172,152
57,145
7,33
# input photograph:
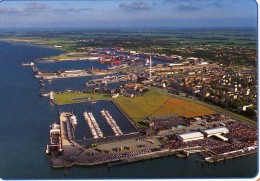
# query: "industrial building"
190,136
216,132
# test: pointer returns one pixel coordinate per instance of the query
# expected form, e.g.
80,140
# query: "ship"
51,94
147,62
28,64
116,62
94,101
102,61
42,84
73,120
55,139
94,58
41,94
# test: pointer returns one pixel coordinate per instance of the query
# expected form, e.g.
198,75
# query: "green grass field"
152,103
67,98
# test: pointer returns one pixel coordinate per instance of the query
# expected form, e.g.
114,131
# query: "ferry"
55,139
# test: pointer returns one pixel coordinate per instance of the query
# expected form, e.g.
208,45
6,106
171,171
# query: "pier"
126,150
67,136
110,79
111,122
92,123
218,158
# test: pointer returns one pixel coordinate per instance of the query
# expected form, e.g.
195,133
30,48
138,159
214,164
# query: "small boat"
28,64
73,120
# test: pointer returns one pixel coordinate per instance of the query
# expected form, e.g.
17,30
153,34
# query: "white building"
214,131
190,136
175,64
203,63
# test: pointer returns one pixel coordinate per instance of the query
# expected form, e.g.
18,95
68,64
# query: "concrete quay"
219,158
132,149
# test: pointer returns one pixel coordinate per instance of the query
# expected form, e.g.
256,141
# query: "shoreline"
151,156
30,43
105,151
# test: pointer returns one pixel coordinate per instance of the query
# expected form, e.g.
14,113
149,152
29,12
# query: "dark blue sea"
24,132
70,65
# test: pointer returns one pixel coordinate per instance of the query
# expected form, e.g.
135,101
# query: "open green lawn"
67,98
152,103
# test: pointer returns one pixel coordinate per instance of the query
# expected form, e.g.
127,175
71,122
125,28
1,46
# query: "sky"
127,13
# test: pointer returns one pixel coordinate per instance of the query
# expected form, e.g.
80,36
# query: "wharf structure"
181,143
110,120
46,75
93,126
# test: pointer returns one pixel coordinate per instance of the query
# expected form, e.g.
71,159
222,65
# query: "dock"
127,148
93,125
218,158
111,122
67,135
110,79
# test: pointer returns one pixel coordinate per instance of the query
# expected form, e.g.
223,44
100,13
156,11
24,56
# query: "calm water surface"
24,132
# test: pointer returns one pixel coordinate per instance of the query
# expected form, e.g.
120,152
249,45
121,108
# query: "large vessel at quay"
55,139
73,120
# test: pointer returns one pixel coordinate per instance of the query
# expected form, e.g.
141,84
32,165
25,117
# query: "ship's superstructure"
55,139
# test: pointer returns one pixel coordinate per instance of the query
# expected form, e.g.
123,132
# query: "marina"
92,123
142,147
82,130
117,131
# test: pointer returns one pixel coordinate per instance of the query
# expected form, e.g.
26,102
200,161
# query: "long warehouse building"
214,131
190,136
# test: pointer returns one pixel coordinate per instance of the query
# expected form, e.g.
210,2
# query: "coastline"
42,165
150,156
